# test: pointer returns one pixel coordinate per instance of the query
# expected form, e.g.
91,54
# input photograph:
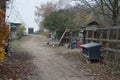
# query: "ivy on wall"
4,34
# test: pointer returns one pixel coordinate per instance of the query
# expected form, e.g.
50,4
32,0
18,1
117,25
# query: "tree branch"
108,6
97,3
111,3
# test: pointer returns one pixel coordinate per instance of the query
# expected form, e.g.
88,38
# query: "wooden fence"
109,38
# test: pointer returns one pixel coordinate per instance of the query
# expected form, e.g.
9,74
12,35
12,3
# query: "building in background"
13,28
30,30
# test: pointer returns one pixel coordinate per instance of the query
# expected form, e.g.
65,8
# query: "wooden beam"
113,50
106,40
105,28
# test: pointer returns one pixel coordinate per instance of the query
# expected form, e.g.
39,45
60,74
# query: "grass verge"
17,43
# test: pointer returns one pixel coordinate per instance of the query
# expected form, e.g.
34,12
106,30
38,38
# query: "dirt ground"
39,61
49,65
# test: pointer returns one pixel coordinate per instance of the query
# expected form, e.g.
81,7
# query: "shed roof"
12,24
93,23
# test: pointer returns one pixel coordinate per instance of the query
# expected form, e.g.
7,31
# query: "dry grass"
98,70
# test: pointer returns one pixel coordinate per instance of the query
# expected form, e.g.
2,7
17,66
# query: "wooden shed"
69,36
90,31
13,29
108,37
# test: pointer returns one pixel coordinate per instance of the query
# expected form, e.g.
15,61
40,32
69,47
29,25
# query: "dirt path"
50,66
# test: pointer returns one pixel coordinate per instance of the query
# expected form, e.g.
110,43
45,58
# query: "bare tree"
43,11
108,8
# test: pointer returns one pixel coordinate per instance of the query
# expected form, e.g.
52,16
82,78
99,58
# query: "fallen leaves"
98,70
13,68
9,71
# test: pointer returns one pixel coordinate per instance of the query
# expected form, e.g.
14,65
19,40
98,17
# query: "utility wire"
15,11
10,9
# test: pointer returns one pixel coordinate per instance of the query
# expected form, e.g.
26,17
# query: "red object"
78,45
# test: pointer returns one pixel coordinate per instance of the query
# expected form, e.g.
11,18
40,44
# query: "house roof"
14,24
93,23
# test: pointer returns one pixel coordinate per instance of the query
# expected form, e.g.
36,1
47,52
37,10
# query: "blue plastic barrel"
74,45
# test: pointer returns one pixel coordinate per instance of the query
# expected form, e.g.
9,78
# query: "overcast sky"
23,11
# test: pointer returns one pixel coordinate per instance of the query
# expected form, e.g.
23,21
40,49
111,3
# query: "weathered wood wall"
110,41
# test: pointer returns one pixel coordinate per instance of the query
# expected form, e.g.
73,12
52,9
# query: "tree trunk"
115,12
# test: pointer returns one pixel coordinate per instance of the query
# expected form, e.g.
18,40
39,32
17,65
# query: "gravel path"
50,66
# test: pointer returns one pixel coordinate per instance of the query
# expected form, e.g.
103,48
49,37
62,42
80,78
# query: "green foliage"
21,29
57,20
62,19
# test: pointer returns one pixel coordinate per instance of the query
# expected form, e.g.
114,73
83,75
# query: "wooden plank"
85,55
107,40
104,28
62,37
113,50
109,28
117,34
107,44
93,34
